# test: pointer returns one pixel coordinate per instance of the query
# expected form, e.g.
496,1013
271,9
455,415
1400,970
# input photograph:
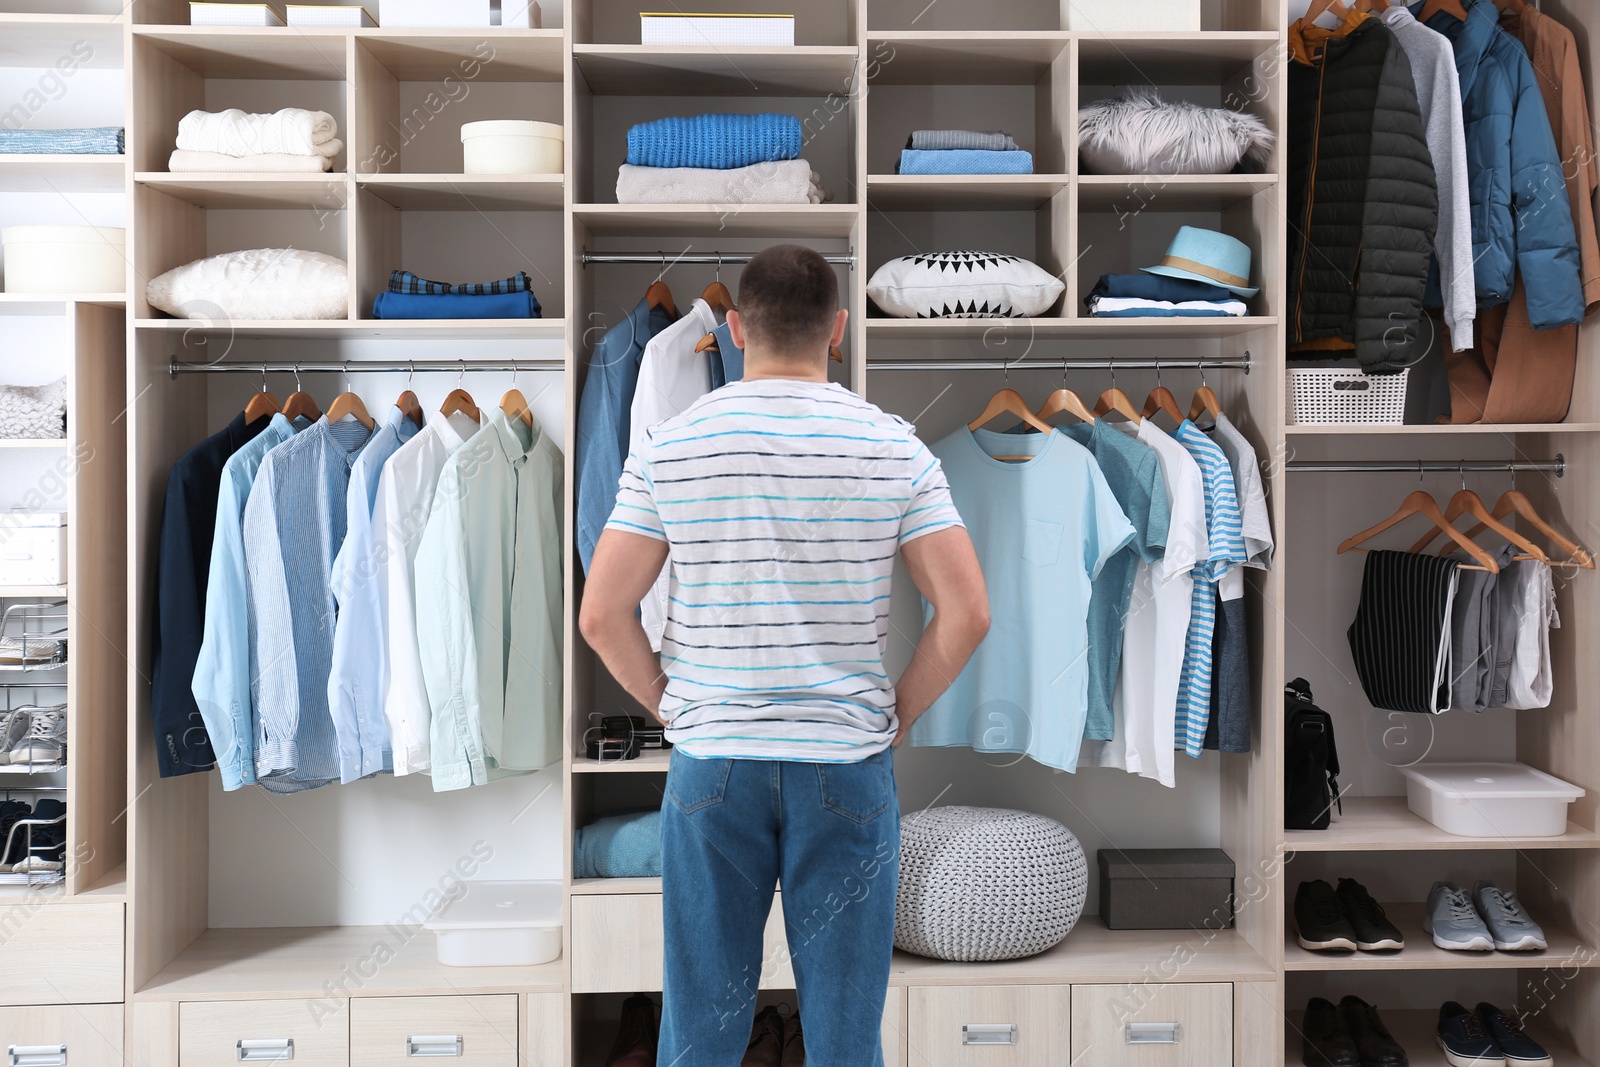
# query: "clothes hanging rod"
1557,466
178,366
661,259
1071,364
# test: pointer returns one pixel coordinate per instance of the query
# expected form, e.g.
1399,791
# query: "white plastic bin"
511,146
64,259
33,548
500,924
1489,799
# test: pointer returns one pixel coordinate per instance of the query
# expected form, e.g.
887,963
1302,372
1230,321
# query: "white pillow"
34,411
258,283
963,285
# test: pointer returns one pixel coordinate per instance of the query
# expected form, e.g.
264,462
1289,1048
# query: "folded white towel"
183,162
1130,303
293,130
789,181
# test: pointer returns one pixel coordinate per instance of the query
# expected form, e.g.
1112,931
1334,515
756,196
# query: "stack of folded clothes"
963,152
411,297
80,141
718,159
1154,296
293,140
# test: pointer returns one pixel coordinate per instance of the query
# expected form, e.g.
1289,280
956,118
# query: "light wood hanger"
1419,503
410,407
1319,7
1466,502
1115,399
1009,401
262,404
300,403
460,400
1162,400
1449,7
1205,403
348,403
1518,502
515,405
1065,399
1372,7
716,294
659,296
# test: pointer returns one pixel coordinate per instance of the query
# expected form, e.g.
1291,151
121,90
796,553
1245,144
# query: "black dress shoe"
1376,1046
1327,1042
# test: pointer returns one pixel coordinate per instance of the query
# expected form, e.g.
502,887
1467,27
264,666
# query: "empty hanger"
1161,400
1466,502
1009,401
1116,400
263,403
1064,399
514,404
1515,501
300,404
1449,7
1205,401
348,403
1420,503
407,402
461,400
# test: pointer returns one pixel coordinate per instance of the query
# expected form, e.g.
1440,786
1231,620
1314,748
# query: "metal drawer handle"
36,1056
1153,1033
989,1033
434,1045
257,1049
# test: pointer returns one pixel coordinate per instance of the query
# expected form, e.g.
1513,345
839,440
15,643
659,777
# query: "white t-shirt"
1145,703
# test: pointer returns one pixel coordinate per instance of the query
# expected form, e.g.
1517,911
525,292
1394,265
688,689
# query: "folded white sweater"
789,181
293,131
183,162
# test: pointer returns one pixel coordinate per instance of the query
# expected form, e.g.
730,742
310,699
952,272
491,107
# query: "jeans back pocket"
697,783
858,791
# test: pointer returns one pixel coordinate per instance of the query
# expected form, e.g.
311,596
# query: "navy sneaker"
1465,1039
1518,1048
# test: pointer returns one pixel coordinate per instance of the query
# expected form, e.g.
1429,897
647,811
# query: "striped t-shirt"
783,503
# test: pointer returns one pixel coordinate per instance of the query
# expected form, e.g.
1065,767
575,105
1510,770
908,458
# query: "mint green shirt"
488,587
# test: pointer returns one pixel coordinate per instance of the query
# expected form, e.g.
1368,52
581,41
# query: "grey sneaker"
1452,920
13,728
46,738
1507,920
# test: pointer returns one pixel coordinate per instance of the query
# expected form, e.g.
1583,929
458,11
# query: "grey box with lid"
1166,888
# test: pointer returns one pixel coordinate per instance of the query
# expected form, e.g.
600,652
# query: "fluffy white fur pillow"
34,411
1139,134
963,285
258,283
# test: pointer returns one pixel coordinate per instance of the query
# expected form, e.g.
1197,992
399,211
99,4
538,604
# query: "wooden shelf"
605,886
501,54
719,220
252,190
29,444
297,962
1414,1030
338,329
962,192
1014,330
297,53
34,303
1177,192
62,173
651,761
1421,954
979,57
22,592
1429,430
1384,824
1169,58
714,70
467,192
39,40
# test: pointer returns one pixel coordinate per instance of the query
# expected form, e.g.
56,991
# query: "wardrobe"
200,919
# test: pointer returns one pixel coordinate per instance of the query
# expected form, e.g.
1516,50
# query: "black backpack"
1311,761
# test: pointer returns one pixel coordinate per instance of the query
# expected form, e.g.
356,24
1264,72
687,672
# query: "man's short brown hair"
788,297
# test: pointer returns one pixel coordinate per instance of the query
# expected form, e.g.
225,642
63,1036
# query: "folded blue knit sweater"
715,142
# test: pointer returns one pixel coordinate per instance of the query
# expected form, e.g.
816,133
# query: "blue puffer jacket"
1521,217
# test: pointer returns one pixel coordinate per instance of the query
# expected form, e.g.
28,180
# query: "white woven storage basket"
1346,396
986,883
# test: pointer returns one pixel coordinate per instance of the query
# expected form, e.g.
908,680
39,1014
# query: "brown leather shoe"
636,1034
794,1043
766,1040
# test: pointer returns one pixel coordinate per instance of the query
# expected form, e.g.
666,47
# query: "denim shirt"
355,686
489,606
221,683
603,424
293,525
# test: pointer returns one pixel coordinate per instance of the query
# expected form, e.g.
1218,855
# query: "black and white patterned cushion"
963,284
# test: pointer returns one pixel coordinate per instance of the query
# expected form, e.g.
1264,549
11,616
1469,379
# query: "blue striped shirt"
783,504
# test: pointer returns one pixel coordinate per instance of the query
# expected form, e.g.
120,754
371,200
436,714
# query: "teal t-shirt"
1044,529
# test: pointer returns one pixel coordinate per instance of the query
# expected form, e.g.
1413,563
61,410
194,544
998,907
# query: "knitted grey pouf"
986,883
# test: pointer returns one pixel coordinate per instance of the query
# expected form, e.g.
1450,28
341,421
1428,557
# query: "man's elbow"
593,622
978,622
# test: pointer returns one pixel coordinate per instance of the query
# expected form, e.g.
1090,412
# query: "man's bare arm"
944,566
624,568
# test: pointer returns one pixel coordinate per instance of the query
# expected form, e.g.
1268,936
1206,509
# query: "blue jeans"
731,829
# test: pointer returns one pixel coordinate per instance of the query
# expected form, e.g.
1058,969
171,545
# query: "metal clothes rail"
709,258
178,366
1556,466
1071,364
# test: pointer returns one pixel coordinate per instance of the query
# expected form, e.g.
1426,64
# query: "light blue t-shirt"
1043,529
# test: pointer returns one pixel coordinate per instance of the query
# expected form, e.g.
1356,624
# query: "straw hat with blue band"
1207,256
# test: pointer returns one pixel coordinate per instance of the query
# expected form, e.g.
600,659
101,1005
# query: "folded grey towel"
935,140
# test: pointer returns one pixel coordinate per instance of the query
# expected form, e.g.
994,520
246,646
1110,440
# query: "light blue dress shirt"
355,688
294,523
221,683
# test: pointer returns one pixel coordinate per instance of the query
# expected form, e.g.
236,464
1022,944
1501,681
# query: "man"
783,500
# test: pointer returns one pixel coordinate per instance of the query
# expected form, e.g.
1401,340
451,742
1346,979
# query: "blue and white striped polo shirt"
783,503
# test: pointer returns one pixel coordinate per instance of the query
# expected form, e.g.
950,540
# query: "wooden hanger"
1319,7
300,404
1452,8
1466,502
515,405
350,404
460,400
1115,399
1009,401
1372,7
1205,403
1419,503
716,294
410,407
1162,400
1065,399
1518,502
263,403
659,296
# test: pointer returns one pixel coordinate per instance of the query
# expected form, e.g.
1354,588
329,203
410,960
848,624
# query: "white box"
517,14
511,146
33,548
500,924
342,16
1489,799
64,259
404,14
1122,16
665,27
209,14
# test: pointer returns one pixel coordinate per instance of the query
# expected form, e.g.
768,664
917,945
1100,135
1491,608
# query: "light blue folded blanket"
620,846
965,161
714,142
83,141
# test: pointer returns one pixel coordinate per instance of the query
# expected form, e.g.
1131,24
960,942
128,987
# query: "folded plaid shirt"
403,281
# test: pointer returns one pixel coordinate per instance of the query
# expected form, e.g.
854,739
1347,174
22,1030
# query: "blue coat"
1521,216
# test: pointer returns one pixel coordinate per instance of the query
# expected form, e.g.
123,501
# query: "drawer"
617,947
61,954
82,1035
1152,1025
471,1031
988,1026
223,1033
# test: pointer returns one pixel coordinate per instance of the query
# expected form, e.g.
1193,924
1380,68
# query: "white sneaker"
28,650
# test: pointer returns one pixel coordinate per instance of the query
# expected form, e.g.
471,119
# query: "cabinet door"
617,946
1152,1025
544,1038
894,1027
470,1031
225,1033
988,1026
61,954
82,1035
